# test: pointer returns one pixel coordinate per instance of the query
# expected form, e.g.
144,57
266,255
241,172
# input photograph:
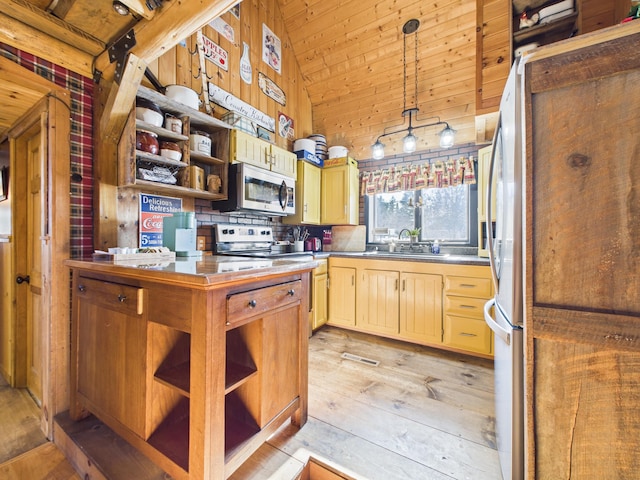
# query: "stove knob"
232,231
250,231
225,231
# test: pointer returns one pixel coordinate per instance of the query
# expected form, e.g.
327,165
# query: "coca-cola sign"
153,209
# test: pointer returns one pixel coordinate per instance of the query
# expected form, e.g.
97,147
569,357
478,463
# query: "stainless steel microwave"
256,190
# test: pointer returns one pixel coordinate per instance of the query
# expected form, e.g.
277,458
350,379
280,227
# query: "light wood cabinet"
307,196
430,303
195,375
339,203
246,148
342,295
378,304
464,325
320,295
111,340
421,307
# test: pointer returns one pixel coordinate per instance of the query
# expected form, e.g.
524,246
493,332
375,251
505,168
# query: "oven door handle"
283,187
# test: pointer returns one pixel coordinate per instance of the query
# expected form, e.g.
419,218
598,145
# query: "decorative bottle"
246,72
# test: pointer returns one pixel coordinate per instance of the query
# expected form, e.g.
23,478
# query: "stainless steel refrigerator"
504,312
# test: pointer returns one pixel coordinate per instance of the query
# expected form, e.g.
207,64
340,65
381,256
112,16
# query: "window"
445,214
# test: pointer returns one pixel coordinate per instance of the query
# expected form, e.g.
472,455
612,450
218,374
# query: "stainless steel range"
250,241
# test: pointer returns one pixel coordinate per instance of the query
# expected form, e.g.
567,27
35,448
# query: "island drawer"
126,299
242,306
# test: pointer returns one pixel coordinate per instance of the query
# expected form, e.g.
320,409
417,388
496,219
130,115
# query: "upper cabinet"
307,195
339,200
248,149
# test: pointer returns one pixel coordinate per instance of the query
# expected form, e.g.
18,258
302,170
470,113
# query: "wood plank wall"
179,66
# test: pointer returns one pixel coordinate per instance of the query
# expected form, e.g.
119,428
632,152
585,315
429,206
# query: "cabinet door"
282,161
280,372
339,197
110,341
342,296
378,301
307,196
421,307
319,302
247,149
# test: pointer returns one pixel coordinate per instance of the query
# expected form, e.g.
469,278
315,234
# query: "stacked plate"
321,145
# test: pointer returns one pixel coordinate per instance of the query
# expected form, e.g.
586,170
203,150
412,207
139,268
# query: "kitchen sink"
404,253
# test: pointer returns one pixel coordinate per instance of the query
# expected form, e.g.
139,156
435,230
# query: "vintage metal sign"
285,126
233,103
215,53
152,210
271,90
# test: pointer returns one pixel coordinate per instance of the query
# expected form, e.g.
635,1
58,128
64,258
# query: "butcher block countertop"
206,271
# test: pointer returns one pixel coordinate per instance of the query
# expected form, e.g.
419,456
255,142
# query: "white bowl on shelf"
338,152
149,116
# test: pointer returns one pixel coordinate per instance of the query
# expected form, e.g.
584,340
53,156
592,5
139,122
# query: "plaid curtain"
81,89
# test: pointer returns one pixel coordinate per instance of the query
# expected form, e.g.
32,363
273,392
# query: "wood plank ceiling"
350,53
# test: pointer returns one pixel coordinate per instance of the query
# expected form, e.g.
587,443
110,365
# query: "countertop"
208,270
416,257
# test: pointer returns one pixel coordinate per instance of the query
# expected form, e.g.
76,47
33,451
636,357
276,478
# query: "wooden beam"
138,7
121,98
172,23
26,13
24,37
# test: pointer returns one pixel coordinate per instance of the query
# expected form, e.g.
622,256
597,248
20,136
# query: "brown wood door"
36,175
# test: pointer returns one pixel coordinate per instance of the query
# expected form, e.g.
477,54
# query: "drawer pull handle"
228,323
122,298
82,288
252,304
464,334
291,292
467,306
467,285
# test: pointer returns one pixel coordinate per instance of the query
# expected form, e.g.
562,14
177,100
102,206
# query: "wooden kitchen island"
194,363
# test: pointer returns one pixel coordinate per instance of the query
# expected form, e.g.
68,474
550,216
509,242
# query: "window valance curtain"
438,174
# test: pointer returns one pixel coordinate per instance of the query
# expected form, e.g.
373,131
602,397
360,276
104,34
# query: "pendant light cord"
415,72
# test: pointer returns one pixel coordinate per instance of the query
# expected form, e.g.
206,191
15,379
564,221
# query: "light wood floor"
421,414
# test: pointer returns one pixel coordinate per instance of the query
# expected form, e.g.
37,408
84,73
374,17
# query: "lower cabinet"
378,300
319,295
342,295
464,324
437,304
421,307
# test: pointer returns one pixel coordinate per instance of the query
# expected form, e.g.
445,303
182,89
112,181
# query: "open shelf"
176,377
171,438
151,187
561,28
239,425
160,131
240,366
159,160
202,158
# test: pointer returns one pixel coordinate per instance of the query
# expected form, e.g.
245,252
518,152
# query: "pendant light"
409,142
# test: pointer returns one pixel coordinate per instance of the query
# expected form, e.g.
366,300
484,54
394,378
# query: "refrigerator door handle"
490,193
501,332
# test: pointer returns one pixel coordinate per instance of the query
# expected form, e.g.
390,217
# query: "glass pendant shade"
377,150
409,143
447,137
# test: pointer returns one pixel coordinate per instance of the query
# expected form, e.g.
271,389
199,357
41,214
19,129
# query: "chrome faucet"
402,231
